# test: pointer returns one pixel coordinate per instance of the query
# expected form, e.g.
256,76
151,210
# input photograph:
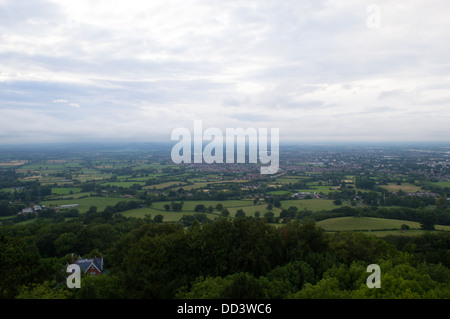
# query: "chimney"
72,258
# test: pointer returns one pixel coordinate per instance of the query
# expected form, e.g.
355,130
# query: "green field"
278,192
201,184
364,223
377,226
249,208
122,184
174,184
129,178
190,205
291,179
311,204
317,189
168,216
84,203
233,206
189,208
442,184
90,174
408,188
65,191
66,196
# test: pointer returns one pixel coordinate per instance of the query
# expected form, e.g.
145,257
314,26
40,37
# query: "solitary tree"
269,216
158,218
428,221
225,212
240,213
200,208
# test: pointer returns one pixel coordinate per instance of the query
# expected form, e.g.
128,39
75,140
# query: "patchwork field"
442,184
203,184
311,204
84,203
291,179
168,216
232,205
408,188
173,184
65,191
190,205
122,184
12,163
377,226
364,223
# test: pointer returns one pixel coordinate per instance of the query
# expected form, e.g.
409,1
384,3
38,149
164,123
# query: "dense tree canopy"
242,257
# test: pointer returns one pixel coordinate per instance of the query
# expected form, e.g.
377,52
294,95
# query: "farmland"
365,224
304,188
85,203
409,188
325,209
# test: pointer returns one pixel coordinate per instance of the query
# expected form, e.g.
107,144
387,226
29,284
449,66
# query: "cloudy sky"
336,70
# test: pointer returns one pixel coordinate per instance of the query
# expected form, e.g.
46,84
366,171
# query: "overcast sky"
132,70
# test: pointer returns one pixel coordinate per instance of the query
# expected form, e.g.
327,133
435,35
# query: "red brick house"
90,266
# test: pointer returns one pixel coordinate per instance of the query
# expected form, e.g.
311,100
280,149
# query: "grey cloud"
15,13
306,104
380,109
242,60
390,94
251,117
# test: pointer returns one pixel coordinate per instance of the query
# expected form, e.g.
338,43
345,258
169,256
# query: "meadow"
65,190
375,226
314,205
442,184
406,187
202,184
168,216
67,175
364,223
84,203
232,206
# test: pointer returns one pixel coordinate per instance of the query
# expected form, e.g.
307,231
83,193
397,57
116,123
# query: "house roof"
86,263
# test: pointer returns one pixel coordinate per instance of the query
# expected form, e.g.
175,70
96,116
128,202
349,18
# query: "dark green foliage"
349,247
364,182
244,286
243,257
240,213
158,218
200,208
295,274
19,264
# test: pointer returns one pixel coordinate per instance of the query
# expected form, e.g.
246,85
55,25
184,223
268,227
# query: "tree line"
243,257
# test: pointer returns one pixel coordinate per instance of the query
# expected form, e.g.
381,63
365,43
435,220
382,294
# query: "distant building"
303,195
91,266
69,206
27,210
32,209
